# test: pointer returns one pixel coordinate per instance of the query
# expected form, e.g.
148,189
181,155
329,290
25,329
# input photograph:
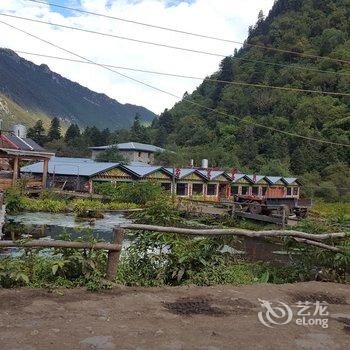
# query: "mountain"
229,136
37,91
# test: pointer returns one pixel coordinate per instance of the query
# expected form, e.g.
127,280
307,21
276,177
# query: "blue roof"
258,178
273,179
184,172
237,177
142,171
87,167
290,180
213,174
130,146
70,167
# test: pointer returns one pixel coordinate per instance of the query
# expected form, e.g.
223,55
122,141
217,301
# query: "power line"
174,47
191,33
173,95
264,86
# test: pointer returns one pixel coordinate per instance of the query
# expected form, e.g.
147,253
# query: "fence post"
113,256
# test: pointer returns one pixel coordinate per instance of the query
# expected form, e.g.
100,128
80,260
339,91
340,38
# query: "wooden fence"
114,248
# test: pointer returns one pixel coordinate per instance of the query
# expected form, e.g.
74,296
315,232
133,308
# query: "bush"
56,268
133,192
14,200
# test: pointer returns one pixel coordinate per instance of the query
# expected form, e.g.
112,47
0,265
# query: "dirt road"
194,318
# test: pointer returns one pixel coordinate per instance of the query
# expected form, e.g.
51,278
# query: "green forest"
230,130
228,136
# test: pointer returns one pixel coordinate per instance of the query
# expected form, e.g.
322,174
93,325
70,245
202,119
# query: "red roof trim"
5,139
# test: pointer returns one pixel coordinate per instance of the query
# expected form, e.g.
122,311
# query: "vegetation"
56,268
111,155
155,259
50,202
37,88
133,192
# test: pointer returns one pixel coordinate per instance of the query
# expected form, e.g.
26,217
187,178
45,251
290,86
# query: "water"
40,225
50,225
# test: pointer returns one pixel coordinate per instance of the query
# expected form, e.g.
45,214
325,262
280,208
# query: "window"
166,186
139,154
197,189
235,189
255,191
289,191
182,189
295,191
211,190
263,191
245,190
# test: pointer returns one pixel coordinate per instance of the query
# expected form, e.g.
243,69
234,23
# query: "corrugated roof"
88,167
213,174
237,177
142,171
24,144
290,180
273,179
258,177
184,171
131,146
70,167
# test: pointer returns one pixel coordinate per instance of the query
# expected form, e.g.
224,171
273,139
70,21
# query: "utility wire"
265,86
170,46
173,95
191,33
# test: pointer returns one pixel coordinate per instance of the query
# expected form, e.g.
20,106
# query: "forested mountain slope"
38,91
315,27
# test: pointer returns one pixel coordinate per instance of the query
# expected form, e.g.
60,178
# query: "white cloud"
222,18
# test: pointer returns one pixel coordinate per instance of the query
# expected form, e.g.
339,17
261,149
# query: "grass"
332,210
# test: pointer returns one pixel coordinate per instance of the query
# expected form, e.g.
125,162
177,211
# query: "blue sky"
69,3
227,18
76,4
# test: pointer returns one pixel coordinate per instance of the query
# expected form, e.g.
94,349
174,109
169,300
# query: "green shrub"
14,200
133,192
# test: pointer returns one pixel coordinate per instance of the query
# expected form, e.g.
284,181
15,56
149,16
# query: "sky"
227,19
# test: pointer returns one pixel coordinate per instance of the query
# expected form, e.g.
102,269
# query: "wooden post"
45,172
15,171
113,256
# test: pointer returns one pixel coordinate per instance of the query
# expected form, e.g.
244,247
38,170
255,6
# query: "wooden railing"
114,248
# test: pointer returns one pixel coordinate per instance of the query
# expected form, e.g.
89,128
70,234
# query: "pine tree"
55,130
37,133
72,133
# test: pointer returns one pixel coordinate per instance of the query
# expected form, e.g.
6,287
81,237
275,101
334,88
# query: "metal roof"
185,172
273,179
290,180
23,144
258,178
238,177
70,167
213,174
88,167
142,171
130,146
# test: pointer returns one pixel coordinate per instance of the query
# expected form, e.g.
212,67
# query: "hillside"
318,27
36,92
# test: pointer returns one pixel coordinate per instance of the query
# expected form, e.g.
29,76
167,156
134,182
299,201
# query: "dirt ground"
194,318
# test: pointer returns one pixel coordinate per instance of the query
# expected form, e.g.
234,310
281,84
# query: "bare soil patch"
171,318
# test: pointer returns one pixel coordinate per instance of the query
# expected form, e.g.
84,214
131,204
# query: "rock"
98,342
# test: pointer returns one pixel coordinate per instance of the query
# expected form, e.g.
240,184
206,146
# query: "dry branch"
320,245
60,244
236,232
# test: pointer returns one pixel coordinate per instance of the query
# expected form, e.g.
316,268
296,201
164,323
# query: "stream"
52,225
